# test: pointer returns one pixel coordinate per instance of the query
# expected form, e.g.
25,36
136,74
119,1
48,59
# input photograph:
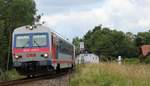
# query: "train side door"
54,48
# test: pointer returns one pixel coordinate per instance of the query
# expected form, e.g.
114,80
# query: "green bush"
147,60
10,75
132,61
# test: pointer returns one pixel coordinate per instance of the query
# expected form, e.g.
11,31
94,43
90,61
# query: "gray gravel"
59,81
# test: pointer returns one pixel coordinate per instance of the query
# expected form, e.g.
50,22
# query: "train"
37,49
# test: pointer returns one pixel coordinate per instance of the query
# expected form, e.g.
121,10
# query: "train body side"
40,50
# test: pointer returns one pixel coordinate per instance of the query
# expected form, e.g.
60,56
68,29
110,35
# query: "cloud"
59,6
73,24
126,15
66,2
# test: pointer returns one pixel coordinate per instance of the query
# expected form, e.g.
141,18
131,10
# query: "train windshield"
39,40
22,41
31,40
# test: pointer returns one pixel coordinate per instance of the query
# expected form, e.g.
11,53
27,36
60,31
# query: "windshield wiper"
25,44
36,43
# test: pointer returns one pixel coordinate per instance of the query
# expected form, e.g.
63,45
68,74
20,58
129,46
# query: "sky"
72,18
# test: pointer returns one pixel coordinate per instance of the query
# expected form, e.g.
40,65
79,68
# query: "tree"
143,38
107,42
13,14
76,42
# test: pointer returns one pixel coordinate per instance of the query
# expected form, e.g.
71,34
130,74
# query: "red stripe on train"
24,50
54,52
17,50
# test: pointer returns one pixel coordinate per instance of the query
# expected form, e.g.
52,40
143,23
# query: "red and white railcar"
38,49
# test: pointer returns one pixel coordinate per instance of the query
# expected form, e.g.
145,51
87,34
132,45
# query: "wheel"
30,76
58,68
50,68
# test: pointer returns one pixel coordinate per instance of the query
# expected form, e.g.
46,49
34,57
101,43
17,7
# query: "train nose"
30,66
30,55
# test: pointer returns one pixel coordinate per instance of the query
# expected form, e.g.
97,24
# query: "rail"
27,80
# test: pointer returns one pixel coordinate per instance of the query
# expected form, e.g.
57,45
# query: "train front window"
22,41
39,40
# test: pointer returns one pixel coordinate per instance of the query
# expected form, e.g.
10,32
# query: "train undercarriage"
34,68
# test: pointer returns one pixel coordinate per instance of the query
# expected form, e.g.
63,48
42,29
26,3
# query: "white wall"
87,58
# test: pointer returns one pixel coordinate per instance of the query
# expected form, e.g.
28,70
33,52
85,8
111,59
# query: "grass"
10,75
132,61
111,74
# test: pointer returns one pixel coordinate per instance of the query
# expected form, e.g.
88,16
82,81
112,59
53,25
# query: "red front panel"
30,52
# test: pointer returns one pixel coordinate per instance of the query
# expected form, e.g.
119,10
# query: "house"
87,58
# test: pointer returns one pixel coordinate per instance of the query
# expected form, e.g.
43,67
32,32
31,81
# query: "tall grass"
111,74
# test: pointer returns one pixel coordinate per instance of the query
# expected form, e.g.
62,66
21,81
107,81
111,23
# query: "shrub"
10,75
147,60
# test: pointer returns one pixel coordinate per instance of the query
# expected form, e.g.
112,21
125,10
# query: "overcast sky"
73,18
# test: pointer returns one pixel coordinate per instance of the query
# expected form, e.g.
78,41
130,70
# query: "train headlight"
30,28
45,55
16,57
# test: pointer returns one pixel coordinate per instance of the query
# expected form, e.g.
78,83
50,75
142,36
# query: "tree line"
106,42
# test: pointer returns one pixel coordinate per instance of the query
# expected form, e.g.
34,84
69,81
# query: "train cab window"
39,40
22,41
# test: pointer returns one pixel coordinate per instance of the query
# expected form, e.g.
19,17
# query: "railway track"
27,80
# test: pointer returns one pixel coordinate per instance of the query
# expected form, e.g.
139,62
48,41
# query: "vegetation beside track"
132,61
13,14
111,74
10,75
